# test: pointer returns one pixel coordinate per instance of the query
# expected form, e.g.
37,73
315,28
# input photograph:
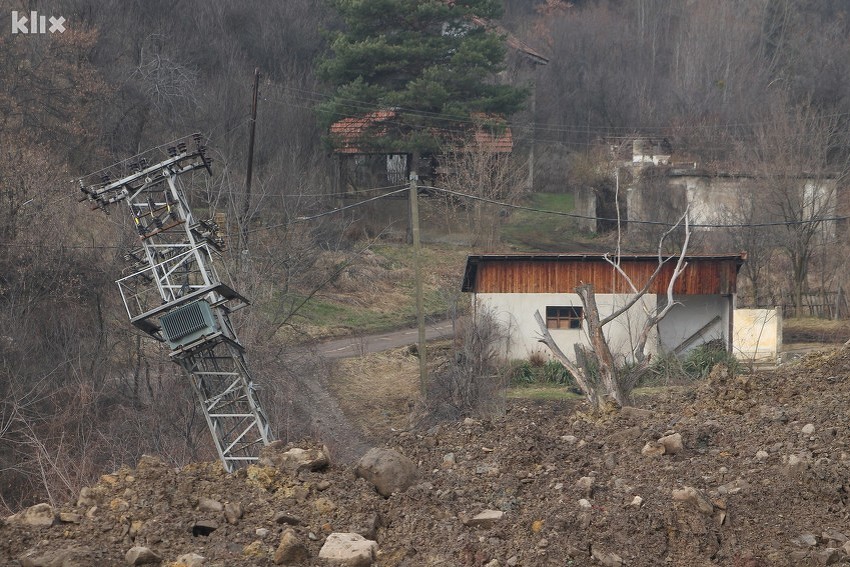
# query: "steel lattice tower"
174,295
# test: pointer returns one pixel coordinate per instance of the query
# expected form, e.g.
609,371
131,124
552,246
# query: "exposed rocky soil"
739,471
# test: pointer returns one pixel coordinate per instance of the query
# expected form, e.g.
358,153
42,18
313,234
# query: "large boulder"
294,460
40,515
349,550
388,470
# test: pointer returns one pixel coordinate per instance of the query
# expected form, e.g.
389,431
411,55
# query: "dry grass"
376,391
812,330
375,292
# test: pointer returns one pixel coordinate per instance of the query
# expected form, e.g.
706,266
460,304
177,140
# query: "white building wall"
515,311
757,337
691,315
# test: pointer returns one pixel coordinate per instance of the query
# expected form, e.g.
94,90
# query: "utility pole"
246,205
174,294
417,262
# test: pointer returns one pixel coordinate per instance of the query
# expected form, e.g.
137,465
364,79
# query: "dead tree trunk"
607,367
596,369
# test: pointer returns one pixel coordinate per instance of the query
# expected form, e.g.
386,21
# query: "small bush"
667,368
528,372
699,361
522,373
555,373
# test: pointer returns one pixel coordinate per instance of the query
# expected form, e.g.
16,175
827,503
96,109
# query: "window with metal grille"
564,317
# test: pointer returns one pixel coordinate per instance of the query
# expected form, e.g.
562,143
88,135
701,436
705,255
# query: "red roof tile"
348,133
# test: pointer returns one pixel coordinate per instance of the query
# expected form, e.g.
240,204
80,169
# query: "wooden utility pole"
417,262
246,205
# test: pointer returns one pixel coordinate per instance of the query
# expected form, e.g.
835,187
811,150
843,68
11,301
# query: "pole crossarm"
174,293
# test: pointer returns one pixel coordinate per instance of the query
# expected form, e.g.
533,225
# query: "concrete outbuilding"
511,287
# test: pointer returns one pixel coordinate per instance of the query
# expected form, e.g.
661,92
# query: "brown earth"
566,481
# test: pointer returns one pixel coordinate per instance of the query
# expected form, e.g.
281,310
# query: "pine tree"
432,63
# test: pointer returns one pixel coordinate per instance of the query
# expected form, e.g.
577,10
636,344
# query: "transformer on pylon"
174,294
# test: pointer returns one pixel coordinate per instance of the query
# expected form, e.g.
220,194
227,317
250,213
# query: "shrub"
553,372
522,373
699,361
527,372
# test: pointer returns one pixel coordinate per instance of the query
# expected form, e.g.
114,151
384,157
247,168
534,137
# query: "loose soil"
770,489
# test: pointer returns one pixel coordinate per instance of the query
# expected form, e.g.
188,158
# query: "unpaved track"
313,409
350,347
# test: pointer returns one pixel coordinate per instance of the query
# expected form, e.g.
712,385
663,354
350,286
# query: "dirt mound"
761,478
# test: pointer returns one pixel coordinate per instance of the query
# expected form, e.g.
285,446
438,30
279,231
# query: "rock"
762,455
135,528
828,556
40,515
209,505
233,512
805,540
794,464
585,504
846,547
486,519
636,502
70,517
36,558
606,558
324,505
834,536
808,429
388,470
694,497
284,518
262,532
204,527
369,528
672,444
571,439
291,549
733,487
449,460
294,460
141,556
87,497
349,550
191,560
585,485
652,449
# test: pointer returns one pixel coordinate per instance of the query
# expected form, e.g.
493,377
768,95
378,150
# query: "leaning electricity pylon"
174,295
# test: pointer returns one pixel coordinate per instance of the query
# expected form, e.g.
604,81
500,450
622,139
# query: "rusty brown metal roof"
706,274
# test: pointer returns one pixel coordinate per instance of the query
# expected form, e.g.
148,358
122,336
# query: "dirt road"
350,347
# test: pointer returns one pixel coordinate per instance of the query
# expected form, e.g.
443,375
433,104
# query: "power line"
635,221
316,97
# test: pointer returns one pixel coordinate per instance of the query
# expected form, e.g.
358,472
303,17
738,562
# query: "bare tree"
595,370
799,157
481,170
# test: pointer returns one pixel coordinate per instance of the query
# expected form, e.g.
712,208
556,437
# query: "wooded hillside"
759,85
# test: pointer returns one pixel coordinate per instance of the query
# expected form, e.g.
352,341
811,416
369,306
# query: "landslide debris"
747,470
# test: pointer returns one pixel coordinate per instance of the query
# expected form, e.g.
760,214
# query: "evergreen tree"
432,62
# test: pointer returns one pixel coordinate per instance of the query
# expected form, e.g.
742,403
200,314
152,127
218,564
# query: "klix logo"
36,24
